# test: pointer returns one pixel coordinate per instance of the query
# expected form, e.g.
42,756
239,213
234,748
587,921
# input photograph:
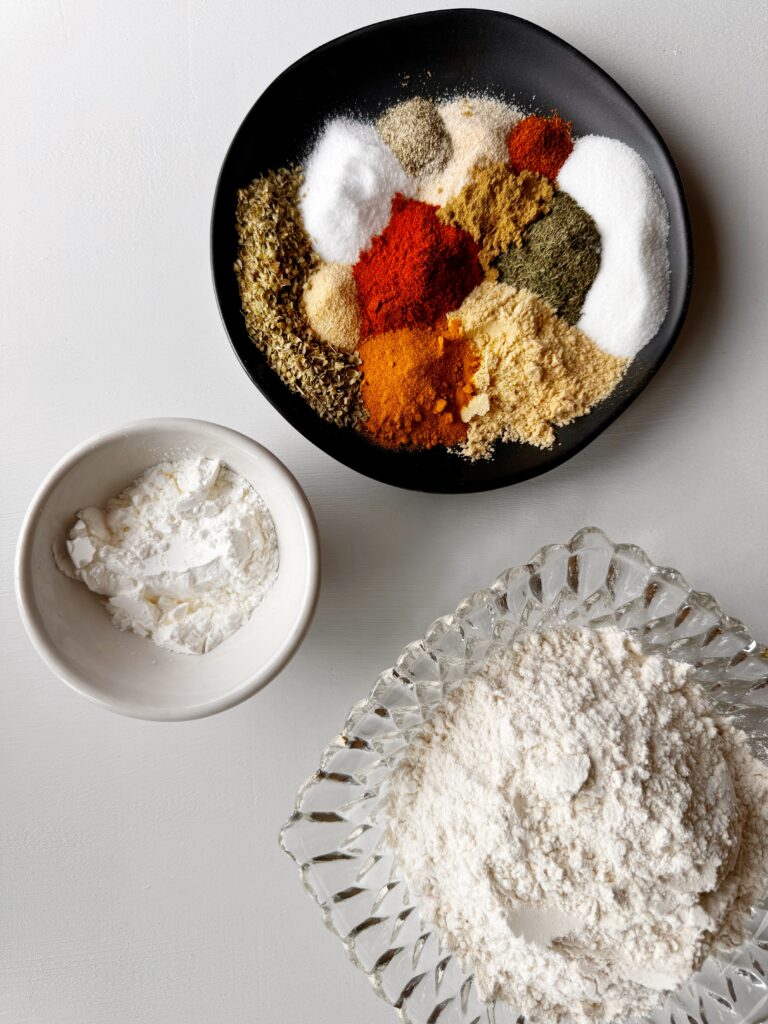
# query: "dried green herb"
275,259
559,258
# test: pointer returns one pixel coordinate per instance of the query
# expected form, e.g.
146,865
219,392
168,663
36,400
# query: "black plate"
434,54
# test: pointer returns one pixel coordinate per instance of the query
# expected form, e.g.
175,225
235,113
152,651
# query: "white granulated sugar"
350,178
580,826
478,127
183,555
628,299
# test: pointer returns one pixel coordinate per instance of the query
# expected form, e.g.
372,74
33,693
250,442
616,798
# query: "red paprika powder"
416,270
540,144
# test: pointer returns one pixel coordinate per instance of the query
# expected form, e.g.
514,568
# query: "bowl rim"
24,572
307,425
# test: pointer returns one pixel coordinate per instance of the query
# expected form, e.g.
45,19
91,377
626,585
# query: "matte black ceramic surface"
438,54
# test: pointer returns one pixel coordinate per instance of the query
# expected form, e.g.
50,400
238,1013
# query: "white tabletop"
140,877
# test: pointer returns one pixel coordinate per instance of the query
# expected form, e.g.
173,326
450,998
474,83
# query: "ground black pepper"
415,133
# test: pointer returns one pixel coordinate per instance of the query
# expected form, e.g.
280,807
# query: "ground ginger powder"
537,371
496,206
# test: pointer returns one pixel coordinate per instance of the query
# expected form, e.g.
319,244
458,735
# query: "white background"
140,876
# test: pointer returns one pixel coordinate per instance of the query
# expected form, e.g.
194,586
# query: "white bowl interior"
128,672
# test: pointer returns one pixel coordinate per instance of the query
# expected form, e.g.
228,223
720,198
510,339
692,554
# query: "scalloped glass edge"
336,834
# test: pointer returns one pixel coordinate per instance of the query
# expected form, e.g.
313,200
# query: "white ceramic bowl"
127,673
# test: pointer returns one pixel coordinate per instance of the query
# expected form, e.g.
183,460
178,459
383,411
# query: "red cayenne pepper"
416,270
540,144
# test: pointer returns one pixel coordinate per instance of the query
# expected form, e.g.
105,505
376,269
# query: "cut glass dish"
336,833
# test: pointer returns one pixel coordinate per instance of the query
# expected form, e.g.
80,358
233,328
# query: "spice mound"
537,371
608,833
416,134
559,259
547,255
415,271
628,301
478,128
350,179
183,555
417,385
495,207
331,306
540,144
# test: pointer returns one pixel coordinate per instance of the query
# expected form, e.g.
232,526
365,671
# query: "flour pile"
581,826
183,555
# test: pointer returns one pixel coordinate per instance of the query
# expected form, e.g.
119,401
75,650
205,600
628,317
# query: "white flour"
581,828
183,555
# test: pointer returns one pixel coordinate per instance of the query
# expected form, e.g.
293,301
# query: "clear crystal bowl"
336,833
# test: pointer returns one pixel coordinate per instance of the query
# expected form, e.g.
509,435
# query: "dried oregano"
275,259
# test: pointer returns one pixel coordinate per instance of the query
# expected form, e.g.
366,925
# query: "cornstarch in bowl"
182,556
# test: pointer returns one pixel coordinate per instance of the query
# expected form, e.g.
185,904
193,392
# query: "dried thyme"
275,259
559,259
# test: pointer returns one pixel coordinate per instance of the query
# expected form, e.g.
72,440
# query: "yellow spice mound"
537,371
496,206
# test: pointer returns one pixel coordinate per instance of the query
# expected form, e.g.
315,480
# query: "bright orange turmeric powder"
416,381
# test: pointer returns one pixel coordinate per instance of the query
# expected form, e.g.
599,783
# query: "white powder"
580,826
629,297
183,555
478,127
349,181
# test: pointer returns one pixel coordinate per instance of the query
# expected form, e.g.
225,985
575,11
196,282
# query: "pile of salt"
628,299
349,181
